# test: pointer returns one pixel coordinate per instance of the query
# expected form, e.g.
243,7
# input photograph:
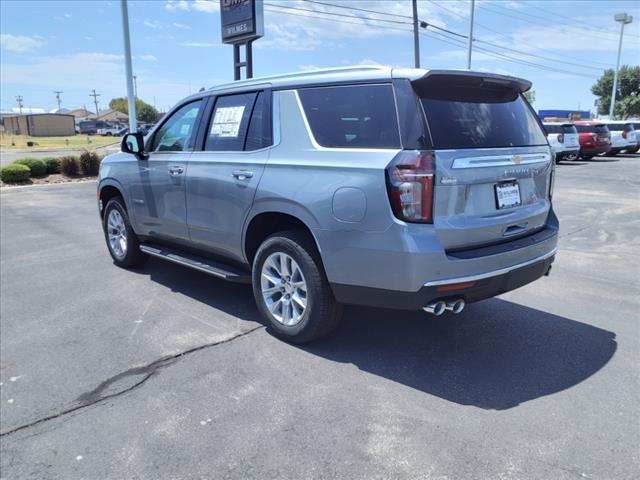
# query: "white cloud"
199,44
98,69
181,25
207,6
148,58
154,24
65,16
88,38
19,43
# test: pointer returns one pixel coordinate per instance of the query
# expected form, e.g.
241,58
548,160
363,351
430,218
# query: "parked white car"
564,139
623,137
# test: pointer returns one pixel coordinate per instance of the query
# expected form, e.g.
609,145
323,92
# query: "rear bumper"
399,269
595,150
568,153
484,286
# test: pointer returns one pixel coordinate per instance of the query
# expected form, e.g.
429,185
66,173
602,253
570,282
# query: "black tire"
132,257
322,312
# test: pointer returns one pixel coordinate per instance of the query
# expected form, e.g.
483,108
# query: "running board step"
217,269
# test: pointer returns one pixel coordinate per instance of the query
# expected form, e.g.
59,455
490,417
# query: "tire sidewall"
132,245
309,270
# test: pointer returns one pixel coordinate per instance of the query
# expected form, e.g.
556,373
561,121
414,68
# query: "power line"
543,24
337,20
359,9
440,29
608,65
549,14
503,56
335,14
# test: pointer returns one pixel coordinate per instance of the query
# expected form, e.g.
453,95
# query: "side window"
229,122
175,133
259,133
355,116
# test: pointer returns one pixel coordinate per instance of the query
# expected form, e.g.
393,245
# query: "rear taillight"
552,180
410,180
561,138
624,135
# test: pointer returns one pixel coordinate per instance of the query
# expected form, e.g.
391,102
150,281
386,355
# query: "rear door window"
465,115
229,122
354,116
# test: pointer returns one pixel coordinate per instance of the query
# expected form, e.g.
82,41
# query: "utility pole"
58,92
19,100
128,68
416,38
624,19
470,35
135,86
95,100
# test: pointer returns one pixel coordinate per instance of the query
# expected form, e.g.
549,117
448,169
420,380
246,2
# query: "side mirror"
134,143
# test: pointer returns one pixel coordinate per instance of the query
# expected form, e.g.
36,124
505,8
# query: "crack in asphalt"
96,395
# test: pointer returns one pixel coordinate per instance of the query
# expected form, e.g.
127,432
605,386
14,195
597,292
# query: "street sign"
242,21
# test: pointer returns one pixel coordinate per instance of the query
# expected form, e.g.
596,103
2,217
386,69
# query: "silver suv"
409,189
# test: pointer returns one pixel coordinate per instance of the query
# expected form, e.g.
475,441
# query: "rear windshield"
620,127
467,116
553,128
353,116
569,129
592,128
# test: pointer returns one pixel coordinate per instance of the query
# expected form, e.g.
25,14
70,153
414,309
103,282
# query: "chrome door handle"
176,170
242,174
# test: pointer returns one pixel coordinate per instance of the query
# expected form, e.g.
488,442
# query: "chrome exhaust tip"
455,306
435,308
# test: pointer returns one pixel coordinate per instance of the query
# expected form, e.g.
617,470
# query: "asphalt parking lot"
167,373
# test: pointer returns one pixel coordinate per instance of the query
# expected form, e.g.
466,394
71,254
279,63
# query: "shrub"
89,162
52,163
36,166
69,165
15,173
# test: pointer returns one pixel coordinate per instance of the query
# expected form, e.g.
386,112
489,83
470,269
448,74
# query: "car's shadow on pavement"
495,355
573,163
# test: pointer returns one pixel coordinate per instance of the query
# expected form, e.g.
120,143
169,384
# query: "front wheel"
122,241
291,289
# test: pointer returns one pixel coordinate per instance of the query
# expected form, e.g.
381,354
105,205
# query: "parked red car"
595,138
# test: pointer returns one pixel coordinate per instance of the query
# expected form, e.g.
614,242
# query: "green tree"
144,111
627,93
530,95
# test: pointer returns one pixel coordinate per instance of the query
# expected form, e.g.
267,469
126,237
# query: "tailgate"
467,210
493,162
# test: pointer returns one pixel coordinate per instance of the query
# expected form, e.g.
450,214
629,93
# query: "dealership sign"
241,20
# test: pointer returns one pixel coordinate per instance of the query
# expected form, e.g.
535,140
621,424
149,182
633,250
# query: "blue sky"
76,46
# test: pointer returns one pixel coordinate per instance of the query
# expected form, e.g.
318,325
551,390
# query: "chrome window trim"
500,160
492,273
317,146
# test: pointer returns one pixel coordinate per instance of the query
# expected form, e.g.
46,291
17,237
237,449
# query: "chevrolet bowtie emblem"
516,159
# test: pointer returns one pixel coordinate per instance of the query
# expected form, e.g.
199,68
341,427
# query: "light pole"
624,19
470,35
416,38
127,66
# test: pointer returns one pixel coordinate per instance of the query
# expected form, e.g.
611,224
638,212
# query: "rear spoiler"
490,79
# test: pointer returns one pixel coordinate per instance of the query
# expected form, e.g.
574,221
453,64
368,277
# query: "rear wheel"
291,289
122,241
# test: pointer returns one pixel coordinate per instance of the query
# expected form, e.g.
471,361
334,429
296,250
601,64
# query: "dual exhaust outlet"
441,306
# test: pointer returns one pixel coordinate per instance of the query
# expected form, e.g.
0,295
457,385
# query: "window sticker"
226,122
